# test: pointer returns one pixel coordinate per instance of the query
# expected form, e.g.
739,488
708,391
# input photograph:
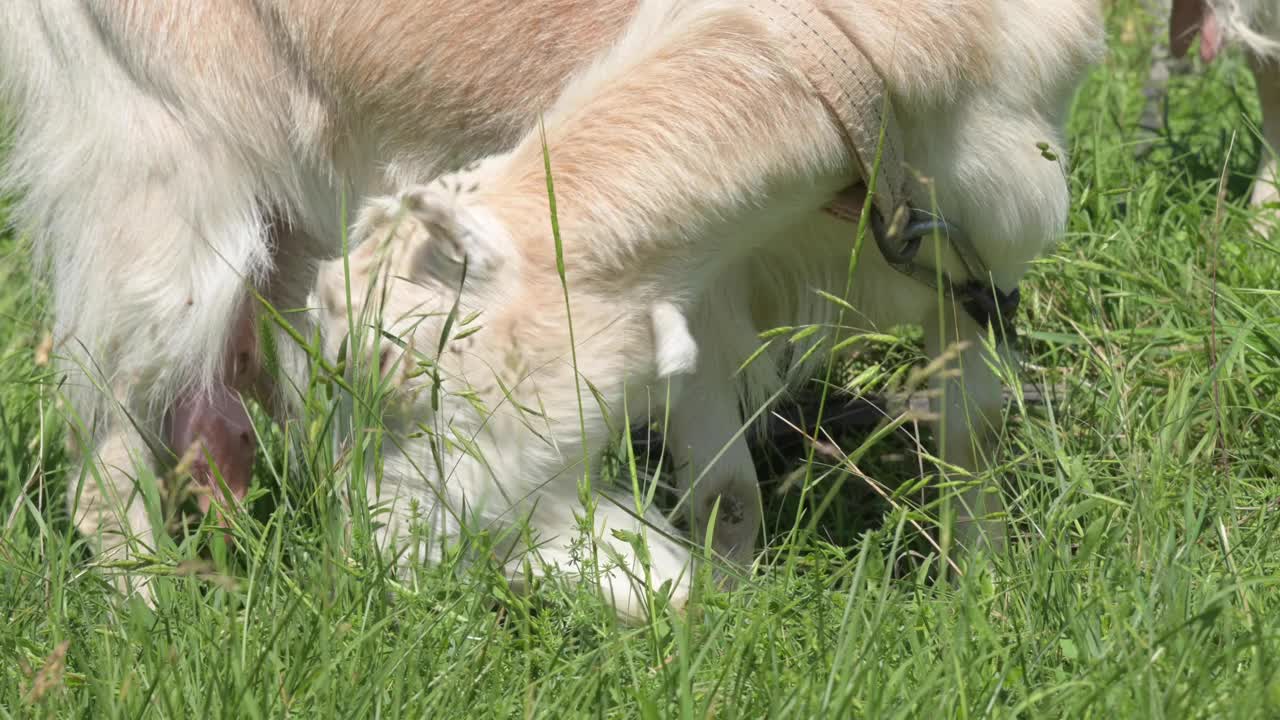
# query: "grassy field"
1143,581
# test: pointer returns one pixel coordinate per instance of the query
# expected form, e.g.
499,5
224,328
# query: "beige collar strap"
854,93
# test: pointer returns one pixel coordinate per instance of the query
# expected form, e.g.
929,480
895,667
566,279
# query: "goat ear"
456,236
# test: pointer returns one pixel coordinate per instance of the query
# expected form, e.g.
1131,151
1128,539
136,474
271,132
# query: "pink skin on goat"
213,429
1189,18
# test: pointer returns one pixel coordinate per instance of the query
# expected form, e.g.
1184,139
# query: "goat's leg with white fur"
714,471
967,401
107,500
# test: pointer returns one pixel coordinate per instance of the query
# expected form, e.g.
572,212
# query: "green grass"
1144,582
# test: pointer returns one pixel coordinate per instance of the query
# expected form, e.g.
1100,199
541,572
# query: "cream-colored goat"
172,154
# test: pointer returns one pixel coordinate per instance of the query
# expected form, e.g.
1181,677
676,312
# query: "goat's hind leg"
111,498
155,309
1266,188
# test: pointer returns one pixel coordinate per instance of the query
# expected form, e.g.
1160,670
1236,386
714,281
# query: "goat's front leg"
714,471
968,404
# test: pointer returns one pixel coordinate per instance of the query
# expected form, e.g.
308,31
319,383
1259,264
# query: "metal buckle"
915,227
986,303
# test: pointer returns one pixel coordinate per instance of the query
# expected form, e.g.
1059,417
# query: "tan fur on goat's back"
485,62
378,67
